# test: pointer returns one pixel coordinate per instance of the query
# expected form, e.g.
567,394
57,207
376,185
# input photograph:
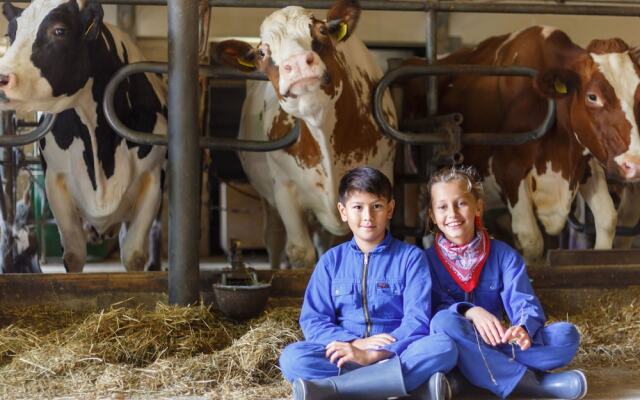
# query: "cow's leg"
525,226
300,249
155,246
596,194
72,235
628,214
275,235
147,204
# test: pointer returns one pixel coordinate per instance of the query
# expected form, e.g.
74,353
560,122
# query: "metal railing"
205,142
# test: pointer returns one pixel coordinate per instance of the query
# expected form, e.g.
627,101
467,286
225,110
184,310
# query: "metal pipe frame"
184,153
23,139
442,136
205,142
594,8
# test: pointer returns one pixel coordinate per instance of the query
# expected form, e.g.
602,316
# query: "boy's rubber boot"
377,381
436,388
570,385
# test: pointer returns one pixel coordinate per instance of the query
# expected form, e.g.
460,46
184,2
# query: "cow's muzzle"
8,81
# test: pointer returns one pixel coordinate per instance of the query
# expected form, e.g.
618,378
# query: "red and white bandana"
464,262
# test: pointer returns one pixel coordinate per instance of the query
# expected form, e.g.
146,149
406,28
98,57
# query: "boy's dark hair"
365,179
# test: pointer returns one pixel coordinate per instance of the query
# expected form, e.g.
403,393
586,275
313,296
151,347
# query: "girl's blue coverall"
504,287
351,295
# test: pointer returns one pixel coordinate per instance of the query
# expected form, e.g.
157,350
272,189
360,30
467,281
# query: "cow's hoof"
72,263
136,262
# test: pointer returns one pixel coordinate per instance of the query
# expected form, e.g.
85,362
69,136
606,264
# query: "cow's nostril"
4,80
310,58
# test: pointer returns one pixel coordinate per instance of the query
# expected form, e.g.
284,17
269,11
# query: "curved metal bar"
20,140
441,136
209,142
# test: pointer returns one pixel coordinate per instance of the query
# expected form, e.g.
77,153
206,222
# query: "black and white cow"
61,58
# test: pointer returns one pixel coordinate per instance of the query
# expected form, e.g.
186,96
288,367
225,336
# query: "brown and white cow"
596,126
323,75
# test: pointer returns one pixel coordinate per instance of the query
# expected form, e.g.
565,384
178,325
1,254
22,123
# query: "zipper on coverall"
365,306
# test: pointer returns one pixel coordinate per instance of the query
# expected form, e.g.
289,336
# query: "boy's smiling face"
367,216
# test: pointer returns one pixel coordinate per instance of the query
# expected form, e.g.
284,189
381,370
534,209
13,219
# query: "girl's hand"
518,335
374,342
340,353
488,326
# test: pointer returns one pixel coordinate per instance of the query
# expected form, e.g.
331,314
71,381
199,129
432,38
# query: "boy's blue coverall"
503,287
348,298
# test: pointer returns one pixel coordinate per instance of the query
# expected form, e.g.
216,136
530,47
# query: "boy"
366,310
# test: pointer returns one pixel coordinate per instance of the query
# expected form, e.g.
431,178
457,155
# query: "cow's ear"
10,11
235,54
91,16
342,18
556,83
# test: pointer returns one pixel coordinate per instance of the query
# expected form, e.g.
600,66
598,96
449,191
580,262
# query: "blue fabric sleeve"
519,301
318,315
416,304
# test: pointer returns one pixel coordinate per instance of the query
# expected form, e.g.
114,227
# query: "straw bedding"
130,352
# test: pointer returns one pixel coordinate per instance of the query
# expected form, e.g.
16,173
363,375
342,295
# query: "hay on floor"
169,351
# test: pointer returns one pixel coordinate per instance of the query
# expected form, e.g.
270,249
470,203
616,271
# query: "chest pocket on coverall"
343,294
388,299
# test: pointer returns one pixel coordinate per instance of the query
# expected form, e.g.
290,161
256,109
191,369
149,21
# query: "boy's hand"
518,335
340,353
488,326
374,342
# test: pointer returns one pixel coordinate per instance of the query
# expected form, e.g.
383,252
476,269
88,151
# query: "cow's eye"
323,30
260,53
59,32
592,98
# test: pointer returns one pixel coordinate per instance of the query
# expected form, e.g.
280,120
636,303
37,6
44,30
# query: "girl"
475,281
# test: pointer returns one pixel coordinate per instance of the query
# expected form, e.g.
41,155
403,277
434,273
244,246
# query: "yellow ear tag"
560,87
343,31
245,63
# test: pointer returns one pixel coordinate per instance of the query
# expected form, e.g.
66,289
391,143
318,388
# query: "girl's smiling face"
454,209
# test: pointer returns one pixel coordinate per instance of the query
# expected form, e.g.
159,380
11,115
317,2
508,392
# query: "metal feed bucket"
241,302
240,296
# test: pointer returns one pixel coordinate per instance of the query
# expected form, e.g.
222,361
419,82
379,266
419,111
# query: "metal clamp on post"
205,142
8,138
437,131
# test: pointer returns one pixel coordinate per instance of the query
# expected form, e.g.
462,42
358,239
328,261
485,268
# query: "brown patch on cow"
615,45
305,150
358,135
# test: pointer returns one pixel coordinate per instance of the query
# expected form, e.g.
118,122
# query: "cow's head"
600,88
48,59
297,52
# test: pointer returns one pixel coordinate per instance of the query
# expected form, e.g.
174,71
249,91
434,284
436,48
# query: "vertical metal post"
431,52
184,153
